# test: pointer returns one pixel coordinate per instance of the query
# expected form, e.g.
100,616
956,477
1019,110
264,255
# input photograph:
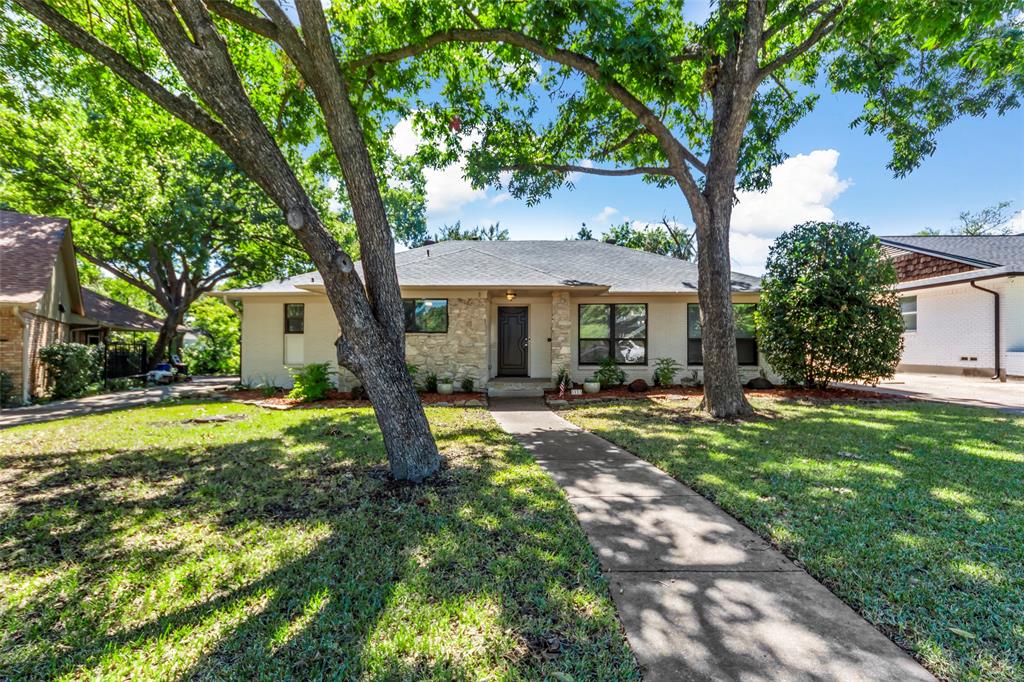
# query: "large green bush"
73,368
828,310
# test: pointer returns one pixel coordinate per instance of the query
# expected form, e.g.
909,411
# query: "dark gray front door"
513,342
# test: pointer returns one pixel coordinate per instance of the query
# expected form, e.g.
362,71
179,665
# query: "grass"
275,546
911,513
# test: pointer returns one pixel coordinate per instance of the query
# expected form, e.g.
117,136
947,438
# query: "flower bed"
281,401
683,392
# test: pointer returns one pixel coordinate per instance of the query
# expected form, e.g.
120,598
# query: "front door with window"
513,341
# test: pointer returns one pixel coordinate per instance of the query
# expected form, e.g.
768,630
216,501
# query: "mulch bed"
781,393
281,401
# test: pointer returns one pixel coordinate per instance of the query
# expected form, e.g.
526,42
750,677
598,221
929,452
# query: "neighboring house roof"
992,255
109,313
29,248
984,251
568,264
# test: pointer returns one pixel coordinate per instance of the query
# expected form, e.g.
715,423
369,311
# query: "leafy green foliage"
996,219
72,368
467,384
273,536
609,374
665,370
8,392
219,332
430,382
667,239
455,232
828,310
907,511
563,381
311,382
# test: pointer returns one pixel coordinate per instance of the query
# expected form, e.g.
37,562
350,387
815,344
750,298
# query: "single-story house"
963,303
507,314
42,301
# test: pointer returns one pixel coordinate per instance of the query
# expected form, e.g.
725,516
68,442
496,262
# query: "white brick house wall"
955,327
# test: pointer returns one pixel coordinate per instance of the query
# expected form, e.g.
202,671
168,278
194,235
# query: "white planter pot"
446,389
591,387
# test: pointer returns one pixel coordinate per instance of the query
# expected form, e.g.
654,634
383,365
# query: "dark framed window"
746,337
908,306
425,315
294,318
617,331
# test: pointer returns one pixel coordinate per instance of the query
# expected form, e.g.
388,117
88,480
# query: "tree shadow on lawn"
912,513
291,553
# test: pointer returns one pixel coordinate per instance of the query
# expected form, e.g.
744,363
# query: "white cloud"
447,189
1017,220
749,252
500,198
606,214
802,188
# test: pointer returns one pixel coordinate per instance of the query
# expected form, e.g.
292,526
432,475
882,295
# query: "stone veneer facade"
460,353
561,332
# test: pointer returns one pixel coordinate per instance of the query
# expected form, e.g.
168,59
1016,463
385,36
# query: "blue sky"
833,172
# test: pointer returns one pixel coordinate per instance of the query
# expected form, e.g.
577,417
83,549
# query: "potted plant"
445,385
591,385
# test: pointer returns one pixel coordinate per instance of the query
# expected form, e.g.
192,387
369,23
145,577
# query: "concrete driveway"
200,387
958,390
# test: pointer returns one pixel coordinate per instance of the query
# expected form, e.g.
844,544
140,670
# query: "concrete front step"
518,388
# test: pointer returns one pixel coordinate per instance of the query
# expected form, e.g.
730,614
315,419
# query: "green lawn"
911,513
133,545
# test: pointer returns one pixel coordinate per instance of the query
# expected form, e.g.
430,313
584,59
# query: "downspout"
995,294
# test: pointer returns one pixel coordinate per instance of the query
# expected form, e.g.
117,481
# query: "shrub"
6,390
467,384
73,368
563,381
430,382
828,310
609,374
311,382
665,370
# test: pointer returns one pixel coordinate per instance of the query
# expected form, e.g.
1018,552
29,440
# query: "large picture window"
617,331
425,315
746,337
908,306
294,318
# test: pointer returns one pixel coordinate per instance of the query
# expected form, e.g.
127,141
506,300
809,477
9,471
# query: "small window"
908,306
617,331
425,315
746,334
294,318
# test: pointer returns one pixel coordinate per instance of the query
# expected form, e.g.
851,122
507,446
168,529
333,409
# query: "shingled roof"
567,264
29,248
119,316
984,251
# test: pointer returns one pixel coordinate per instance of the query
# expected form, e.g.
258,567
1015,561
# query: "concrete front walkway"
701,596
200,387
1007,396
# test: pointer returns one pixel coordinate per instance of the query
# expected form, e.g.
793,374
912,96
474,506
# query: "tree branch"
244,18
573,168
785,21
822,29
121,274
678,154
179,105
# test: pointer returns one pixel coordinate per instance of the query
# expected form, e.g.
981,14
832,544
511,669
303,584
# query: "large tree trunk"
412,453
723,393
168,329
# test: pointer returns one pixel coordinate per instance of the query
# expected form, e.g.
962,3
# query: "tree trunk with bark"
162,348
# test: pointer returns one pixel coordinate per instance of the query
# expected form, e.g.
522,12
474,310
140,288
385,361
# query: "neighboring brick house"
963,303
41,300
507,314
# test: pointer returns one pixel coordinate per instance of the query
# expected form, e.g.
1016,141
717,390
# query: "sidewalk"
954,389
701,596
200,387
